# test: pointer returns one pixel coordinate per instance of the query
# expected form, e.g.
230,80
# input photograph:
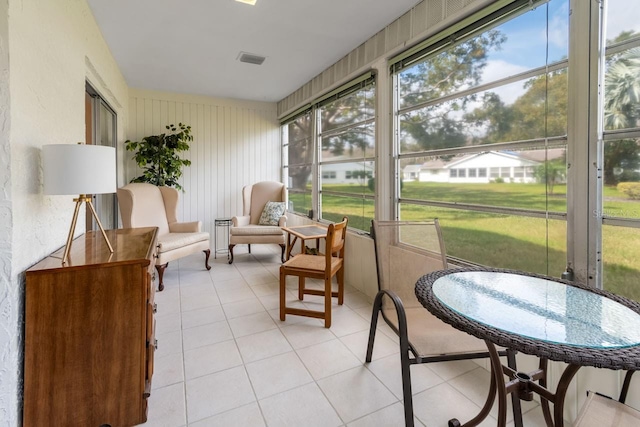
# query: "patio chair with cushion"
405,251
145,205
263,216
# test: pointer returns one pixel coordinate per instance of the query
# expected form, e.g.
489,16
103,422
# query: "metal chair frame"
408,353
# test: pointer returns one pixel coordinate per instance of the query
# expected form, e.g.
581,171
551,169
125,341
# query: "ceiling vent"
250,58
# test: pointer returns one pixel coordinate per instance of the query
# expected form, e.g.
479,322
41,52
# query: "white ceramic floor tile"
167,407
263,277
232,295
251,324
277,374
305,334
223,274
216,393
202,316
437,405
168,301
167,370
387,370
211,358
391,416
356,393
345,322
196,301
272,288
243,308
169,322
303,406
358,342
262,345
168,343
206,335
355,300
327,358
245,416
231,284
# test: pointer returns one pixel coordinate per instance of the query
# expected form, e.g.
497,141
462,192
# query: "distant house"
411,172
347,173
485,167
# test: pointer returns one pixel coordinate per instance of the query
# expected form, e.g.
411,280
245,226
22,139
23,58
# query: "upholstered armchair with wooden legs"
322,267
247,229
145,205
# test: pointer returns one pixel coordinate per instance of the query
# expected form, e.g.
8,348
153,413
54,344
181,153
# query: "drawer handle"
155,344
153,277
155,256
155,307
146,395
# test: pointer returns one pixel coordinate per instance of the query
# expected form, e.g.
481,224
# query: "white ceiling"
191,46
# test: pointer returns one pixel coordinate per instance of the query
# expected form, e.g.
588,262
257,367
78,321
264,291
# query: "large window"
298,153
347,158
329,151
484,118
621,149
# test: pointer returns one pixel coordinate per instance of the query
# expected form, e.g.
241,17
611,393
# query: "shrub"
631,189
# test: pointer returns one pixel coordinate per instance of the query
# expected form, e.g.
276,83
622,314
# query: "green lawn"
508,241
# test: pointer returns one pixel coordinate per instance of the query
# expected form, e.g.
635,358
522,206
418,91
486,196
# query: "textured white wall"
9,294
54,46
235,143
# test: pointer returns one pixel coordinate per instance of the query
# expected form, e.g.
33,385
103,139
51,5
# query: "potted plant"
158,156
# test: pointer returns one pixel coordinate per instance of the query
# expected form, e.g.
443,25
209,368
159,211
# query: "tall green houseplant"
158,156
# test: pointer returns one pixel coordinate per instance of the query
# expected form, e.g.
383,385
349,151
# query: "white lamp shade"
73,169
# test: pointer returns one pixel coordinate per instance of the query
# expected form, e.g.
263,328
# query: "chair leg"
283,287
301,287
231,253
283,250
377,306
327,302
160,270
249,247
515,399
207,254
340,275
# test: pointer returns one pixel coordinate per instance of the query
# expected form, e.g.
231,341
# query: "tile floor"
225,359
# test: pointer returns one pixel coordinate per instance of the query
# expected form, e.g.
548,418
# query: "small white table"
225,224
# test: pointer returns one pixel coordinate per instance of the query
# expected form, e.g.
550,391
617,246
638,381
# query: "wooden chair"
405,251
323,266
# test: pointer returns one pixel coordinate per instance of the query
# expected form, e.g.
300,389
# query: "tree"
622,110
461,66
551,172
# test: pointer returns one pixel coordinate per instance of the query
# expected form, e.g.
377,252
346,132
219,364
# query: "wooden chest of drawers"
89,332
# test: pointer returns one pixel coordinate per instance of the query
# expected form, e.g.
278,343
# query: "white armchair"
246,229
145,205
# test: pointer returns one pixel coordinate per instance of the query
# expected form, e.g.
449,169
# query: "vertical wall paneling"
235,143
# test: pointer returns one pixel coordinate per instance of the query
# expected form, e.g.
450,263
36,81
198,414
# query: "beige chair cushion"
171,241
259,194
599,411
256,230
142,205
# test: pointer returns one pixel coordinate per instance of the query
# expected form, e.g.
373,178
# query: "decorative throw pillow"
271,213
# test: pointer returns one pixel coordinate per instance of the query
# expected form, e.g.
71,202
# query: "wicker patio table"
538,315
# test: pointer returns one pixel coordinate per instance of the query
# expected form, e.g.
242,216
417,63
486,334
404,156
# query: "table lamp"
70,169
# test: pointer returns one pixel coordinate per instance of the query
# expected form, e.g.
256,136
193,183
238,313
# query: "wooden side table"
304,232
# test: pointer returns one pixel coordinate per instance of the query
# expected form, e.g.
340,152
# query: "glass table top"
539,309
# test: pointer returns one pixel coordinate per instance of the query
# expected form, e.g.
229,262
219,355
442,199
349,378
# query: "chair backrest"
256,196
146,205
336,235
405,251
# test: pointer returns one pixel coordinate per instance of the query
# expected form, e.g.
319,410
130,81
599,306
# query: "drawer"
151,321
152,346
151,285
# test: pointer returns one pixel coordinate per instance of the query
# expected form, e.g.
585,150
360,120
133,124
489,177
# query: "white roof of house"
531,156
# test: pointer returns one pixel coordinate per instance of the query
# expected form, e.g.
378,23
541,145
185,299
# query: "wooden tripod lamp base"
83,198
